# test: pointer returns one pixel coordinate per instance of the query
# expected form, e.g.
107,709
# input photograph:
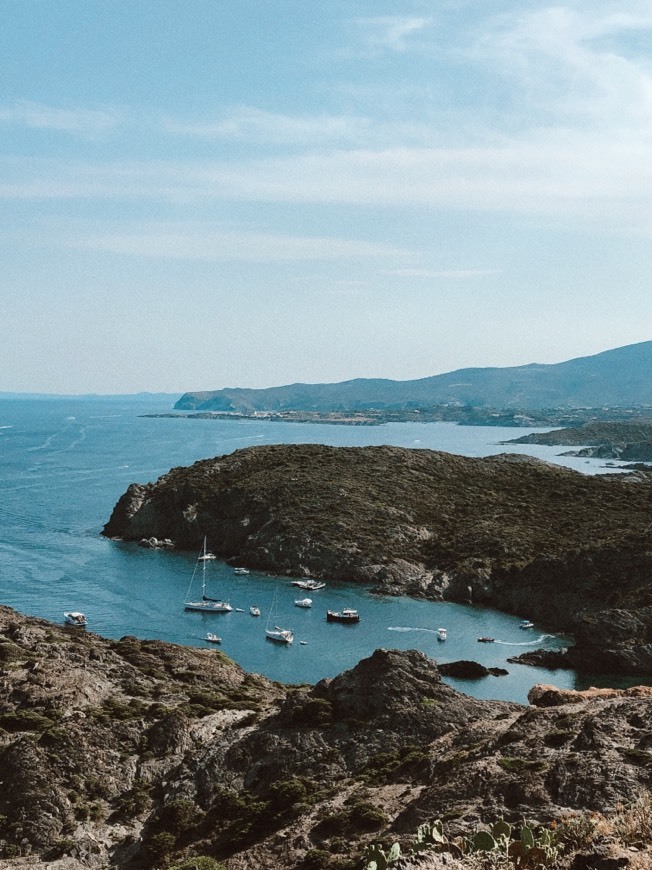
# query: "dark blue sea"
65,462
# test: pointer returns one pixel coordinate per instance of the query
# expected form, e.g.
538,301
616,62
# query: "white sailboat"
276,633
207,604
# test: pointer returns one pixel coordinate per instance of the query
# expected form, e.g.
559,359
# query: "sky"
197,194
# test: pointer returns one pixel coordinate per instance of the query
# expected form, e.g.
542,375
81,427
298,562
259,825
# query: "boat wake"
406,628
536,640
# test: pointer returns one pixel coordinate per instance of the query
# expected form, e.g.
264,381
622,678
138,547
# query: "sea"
64,463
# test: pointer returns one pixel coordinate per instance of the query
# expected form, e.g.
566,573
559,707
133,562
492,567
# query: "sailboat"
207,604
277,634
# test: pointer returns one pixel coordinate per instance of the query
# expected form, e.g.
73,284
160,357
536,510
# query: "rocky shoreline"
138,754
630,441
573,551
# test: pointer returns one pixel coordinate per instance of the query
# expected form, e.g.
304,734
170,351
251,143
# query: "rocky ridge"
133,754
571,550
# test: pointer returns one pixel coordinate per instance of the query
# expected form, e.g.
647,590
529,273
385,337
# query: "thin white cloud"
572,65
461,274
196,243
87,123
562,173
251,124
390,32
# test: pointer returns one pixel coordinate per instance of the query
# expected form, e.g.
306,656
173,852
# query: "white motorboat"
303,602
206,604
308,584
442,634
255,611
241,570
526,624
207,557
280,635
74,617
213,638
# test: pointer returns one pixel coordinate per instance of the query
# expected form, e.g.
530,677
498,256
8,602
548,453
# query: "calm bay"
65,462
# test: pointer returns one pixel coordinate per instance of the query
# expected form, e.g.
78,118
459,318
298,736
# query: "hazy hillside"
620,377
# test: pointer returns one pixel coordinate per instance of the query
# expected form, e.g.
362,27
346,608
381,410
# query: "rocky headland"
140,754
631,441
573,551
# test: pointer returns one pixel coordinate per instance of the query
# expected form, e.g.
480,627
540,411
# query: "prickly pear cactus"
483,842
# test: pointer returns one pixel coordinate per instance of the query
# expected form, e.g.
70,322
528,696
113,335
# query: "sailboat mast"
203,571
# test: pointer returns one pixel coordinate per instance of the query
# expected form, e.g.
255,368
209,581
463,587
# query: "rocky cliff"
133,754
510,531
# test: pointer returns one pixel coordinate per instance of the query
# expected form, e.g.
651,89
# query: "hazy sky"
206,193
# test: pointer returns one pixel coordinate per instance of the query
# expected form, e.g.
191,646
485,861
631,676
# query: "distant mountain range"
621,377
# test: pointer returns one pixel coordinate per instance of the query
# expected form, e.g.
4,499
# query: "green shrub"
25,720
514,764
160,846
178,817
201,862
314,713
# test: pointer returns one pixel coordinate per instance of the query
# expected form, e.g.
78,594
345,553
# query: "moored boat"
255,611
241,570
346,615
526,624
485,640
207,604
74,617
442,634
280,635
277,634
308,584
303,602
213,638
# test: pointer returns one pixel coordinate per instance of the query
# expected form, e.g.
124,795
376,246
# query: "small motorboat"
73,617
303,602
442,634
303,642
526,624
255,611
485,640
207,557
279,635
308,584
347,615
241,570
213,638
239,610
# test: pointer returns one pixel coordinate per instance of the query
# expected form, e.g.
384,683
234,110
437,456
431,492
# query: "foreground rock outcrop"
510,531
131,754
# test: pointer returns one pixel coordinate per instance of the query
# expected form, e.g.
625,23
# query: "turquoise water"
64,464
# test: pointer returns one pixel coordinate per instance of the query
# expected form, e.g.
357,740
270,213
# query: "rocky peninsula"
631,441
139,754
572,550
